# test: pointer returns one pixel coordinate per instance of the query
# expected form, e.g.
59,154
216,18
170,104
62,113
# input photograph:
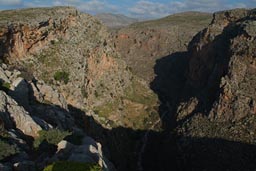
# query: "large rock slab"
15,116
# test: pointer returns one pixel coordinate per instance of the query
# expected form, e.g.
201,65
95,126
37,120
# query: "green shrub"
7,150
72,166
5,86
61,76
52,136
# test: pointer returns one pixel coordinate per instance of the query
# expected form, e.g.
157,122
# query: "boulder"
3,76
89,152
45,93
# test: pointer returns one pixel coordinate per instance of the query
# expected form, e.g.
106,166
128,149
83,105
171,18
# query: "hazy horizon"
139,9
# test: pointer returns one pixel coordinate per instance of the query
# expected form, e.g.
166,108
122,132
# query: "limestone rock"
46,94
3,76
64,145
15,116
89,151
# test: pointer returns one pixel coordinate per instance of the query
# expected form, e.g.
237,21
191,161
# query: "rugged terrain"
64,81
70,51
115,21
210,104
34,120
75,75
142,43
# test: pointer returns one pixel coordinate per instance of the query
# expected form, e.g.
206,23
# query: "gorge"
177,93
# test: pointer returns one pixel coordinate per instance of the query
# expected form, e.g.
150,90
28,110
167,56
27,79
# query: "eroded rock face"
65,39
23,38
222,65
76,45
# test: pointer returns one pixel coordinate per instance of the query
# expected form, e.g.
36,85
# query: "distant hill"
115,20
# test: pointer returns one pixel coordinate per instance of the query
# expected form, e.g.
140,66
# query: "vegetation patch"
61,76
136,109
7,150
139,93
106,109
52,136
5,86
73,166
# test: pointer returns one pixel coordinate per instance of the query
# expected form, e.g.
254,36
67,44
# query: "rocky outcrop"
222,65
47,109
46,94
88,152
23,38
14,116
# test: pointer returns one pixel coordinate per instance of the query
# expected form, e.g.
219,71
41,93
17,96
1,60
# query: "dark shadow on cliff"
165,151
168,85
174,85
193,75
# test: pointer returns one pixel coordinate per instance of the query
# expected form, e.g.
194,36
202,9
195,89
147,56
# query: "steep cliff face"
208,99
222,65
25,32
70,51
220,85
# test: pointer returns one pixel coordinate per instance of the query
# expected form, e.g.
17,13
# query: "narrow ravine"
145,140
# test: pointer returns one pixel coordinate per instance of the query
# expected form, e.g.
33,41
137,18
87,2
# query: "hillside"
177,93
142,43
115,20
69,52
62,42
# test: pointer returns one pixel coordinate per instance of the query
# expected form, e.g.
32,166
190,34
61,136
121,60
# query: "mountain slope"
115,20
70,50
142,43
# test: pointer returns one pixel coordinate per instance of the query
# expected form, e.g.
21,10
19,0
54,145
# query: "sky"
134,8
